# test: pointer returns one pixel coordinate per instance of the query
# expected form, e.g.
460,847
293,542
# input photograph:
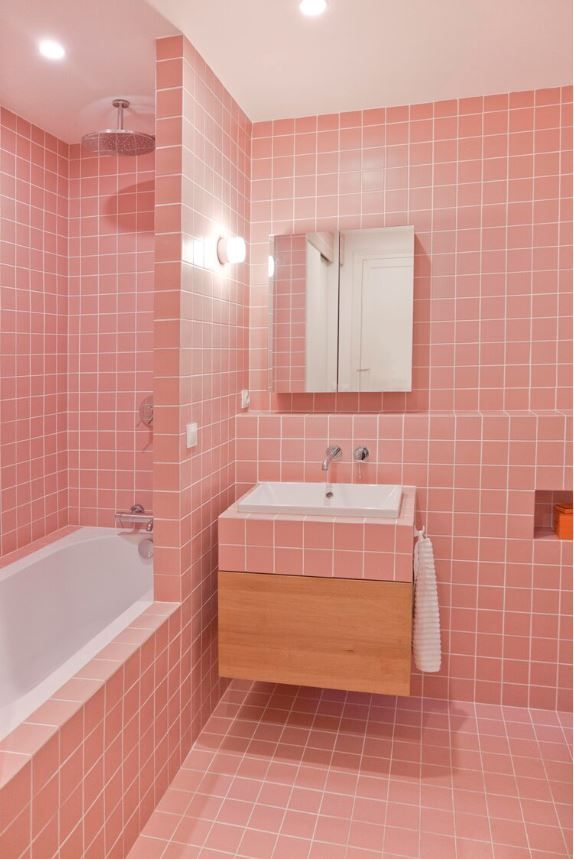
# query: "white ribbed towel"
426,638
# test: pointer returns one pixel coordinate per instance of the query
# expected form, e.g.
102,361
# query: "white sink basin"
319,499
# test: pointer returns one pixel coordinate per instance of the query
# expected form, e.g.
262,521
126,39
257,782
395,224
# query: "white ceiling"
276,63
373,53
110,52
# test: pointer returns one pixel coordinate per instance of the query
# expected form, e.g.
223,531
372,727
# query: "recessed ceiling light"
312,8
51,50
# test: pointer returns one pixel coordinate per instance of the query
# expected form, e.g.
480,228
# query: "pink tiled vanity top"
347,548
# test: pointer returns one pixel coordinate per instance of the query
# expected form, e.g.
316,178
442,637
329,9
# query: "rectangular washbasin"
319,499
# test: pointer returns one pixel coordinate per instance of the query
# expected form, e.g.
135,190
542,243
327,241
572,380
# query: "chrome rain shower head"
119,141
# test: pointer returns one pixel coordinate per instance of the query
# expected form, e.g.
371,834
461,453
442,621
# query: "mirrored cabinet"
342,310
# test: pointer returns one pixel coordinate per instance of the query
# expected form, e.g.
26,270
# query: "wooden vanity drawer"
352,634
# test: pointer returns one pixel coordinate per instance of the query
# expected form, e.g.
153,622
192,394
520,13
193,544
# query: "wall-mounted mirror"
342,310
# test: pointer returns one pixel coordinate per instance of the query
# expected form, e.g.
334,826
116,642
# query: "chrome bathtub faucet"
331,453
135,516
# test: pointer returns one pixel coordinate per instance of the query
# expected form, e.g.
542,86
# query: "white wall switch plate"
191,433
245,399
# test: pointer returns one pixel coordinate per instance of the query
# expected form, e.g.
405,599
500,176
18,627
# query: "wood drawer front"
351,634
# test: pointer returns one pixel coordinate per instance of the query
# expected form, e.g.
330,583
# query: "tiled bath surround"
82,774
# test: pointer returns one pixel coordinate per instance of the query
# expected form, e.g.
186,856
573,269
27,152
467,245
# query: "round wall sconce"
231,249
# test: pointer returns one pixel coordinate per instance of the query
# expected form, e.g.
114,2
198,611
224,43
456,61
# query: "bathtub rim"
81,534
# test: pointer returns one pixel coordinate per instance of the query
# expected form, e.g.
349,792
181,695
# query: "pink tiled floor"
288,773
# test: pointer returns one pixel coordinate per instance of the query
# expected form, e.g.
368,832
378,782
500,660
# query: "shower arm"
121,104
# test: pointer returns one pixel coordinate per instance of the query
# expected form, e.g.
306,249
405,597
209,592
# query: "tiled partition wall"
200,342
33,320
505,598
110,358
487,184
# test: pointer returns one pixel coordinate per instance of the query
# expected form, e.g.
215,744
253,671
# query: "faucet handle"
360,454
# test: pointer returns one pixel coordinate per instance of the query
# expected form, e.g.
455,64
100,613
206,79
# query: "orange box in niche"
563,521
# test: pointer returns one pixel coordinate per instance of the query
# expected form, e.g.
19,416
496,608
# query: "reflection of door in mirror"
305,308
376,309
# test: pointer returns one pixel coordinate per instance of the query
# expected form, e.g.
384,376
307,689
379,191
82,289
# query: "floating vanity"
316,589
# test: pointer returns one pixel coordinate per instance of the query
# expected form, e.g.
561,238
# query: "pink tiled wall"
77,244
110,332
33,318
200,342
486,182
505,598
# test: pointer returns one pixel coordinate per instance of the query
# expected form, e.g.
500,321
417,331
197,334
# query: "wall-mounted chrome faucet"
331,453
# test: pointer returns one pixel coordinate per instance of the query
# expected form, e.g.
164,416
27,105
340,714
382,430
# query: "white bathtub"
59,606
